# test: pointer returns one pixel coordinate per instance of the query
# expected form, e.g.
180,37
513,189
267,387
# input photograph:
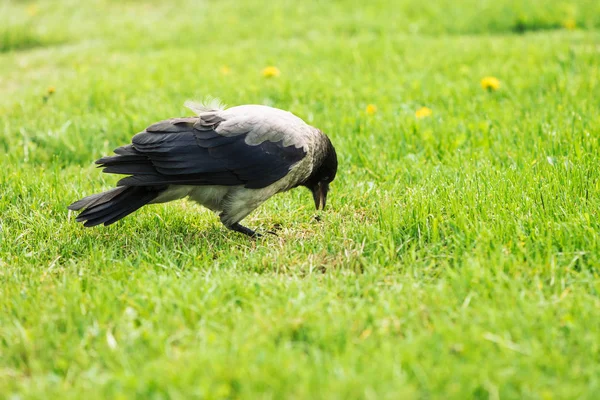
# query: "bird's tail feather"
110,206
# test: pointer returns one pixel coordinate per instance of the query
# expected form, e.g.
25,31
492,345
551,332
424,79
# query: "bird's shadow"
176,236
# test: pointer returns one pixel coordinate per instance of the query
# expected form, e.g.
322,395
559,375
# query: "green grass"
458,257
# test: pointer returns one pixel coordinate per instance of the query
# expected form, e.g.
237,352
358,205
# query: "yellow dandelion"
51,90
371,109
32,10
271,72
225,70
366,333
490,83
423,112
570,24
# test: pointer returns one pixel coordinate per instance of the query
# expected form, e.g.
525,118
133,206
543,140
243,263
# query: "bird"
229,160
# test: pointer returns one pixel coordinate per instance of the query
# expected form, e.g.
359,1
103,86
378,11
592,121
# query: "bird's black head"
322,175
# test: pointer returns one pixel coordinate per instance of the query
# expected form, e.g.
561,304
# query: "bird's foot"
246,231
274,229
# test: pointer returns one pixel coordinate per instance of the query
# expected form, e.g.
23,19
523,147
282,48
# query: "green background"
459,254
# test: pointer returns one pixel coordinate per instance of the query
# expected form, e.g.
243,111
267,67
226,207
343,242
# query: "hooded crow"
228,160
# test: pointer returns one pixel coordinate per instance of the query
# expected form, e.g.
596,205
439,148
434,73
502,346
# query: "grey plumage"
228,160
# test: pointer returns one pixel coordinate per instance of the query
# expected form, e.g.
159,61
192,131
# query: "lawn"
458,257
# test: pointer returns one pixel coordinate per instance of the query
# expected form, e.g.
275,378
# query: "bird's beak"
320,195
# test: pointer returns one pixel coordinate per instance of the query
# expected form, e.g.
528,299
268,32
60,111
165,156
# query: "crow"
230,160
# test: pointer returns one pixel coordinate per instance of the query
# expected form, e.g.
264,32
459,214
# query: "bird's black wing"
174,152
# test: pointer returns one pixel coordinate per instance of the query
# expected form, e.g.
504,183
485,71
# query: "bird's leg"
242,229
236,226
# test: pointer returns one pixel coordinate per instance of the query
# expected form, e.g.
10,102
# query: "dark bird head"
322,175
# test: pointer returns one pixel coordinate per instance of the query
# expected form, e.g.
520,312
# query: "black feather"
111,206
108,160
131,169
224,179
174,152
95,199
126,150
173,125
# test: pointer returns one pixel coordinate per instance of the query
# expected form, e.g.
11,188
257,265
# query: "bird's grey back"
260,124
